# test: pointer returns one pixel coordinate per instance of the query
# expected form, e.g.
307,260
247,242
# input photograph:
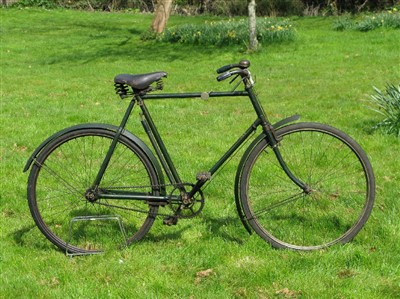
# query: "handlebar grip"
243,64
226,68
228,74
224,76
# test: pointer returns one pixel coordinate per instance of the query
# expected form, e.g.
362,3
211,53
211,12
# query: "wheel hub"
308,190
91,195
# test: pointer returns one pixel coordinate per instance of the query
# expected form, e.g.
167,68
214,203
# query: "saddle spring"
123,90
159,86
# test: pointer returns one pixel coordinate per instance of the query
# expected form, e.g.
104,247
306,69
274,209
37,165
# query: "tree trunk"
253,26
161,15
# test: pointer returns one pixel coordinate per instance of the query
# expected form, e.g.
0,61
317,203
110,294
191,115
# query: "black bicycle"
300,185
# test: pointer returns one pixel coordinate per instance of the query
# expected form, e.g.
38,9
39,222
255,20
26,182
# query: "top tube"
203,95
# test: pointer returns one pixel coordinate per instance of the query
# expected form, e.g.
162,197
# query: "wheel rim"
333,212
61,177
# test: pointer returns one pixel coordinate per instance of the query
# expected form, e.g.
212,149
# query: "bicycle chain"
137,210
138,187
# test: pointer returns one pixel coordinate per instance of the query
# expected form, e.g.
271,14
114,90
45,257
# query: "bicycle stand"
95,218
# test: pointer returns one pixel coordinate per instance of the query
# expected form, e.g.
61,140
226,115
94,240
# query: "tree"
253,25
161,15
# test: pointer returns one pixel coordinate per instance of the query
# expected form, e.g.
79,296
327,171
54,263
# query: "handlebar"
226,68
243,64
226,73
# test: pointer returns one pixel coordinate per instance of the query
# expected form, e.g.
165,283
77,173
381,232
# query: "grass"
56,71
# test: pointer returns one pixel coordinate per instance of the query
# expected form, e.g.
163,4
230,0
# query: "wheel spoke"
275,205
64,182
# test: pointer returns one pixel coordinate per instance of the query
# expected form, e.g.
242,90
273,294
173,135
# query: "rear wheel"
338,173
61,176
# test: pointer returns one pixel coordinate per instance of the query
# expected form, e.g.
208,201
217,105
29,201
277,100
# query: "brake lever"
236,86
230,82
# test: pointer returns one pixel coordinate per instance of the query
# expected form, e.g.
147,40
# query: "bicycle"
301,186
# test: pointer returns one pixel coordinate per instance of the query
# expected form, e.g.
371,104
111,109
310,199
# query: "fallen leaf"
202,274
19,148
287,293
387,178
346,273
54,281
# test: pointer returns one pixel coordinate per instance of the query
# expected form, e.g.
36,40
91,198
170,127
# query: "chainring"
190,209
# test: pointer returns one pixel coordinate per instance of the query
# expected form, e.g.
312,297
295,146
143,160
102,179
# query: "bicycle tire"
66,168
327,160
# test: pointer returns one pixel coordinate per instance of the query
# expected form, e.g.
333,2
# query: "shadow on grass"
223,228
27,237
132,49
367,126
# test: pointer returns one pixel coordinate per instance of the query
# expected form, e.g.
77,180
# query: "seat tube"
159,146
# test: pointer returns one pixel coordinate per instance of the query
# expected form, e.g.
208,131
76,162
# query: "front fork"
273,140
271,136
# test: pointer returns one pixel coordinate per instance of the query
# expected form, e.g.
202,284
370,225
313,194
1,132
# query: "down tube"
227,155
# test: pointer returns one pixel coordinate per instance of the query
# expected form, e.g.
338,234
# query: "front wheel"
340,196
63,173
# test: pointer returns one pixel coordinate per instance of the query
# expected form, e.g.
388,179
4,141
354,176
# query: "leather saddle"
139,82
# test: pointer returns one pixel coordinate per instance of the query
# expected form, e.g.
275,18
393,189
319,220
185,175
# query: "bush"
229,32
239,7
48,4
105,5
389,19
343,23
388,105
386,20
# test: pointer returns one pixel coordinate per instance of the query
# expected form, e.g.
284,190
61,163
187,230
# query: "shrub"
239,7
343,23
229,32
386,20
389,19
48,4
107,5
388,105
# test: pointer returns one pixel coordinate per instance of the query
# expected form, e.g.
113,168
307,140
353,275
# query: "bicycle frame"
164,157
127,177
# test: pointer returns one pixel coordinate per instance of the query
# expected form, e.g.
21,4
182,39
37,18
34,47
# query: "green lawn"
56,71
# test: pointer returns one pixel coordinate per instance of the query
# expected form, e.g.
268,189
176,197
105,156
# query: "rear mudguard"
136,140
245,156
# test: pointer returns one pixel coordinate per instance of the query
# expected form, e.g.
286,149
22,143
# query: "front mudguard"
245,156
136,140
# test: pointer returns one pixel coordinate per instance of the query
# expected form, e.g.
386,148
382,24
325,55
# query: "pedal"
203,176
170,220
